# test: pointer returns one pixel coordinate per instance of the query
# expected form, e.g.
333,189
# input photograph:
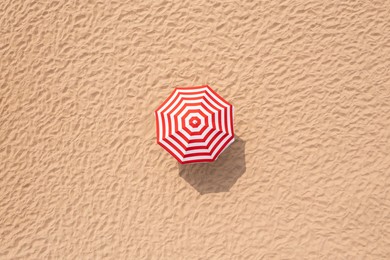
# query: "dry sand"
82,177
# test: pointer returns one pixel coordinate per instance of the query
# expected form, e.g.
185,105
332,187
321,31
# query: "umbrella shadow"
218,176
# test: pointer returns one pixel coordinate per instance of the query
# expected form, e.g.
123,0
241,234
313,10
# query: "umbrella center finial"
194,121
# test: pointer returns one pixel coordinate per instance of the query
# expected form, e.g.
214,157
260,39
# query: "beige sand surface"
81,176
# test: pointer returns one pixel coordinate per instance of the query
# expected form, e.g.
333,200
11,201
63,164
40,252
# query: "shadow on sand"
218,176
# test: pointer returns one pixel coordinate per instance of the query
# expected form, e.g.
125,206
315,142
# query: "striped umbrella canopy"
194,124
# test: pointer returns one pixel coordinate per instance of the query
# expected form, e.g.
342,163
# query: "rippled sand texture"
83,178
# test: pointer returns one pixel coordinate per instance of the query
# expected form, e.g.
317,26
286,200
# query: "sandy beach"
81,174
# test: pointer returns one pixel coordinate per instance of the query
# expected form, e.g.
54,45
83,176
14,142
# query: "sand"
81,175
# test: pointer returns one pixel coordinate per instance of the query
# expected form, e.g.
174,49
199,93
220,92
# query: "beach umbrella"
194,124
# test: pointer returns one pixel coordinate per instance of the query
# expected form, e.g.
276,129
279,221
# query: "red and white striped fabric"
194,124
